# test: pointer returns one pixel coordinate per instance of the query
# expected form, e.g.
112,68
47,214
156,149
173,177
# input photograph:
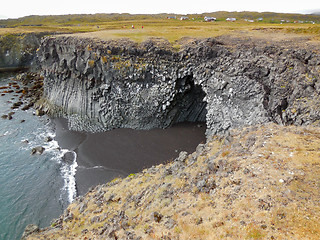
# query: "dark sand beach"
104,156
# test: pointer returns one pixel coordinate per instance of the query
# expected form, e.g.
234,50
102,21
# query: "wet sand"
117,153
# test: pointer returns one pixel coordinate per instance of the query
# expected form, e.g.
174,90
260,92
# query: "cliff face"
104,85
19,51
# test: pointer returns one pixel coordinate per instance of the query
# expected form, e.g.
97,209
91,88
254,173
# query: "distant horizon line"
304,12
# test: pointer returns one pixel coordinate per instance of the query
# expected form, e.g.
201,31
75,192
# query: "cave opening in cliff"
189,104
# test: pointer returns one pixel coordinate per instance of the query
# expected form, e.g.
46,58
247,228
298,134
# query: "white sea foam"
94,167
68,172
68,168
6,133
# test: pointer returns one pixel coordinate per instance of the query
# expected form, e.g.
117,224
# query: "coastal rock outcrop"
101,85
18,51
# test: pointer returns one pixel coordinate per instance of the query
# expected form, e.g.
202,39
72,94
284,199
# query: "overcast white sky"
20,8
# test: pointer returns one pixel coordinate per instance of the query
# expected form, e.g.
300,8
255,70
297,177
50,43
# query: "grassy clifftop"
260,182
119,25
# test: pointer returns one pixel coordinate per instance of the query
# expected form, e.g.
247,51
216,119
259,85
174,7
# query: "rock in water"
48,139
68,157
39,112
37,150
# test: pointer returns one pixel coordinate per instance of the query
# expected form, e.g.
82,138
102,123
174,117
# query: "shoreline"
256,181
104,156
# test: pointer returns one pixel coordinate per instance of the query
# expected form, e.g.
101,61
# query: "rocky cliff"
253,183
18,51
102,85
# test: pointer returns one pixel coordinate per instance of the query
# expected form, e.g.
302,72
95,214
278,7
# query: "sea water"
34,189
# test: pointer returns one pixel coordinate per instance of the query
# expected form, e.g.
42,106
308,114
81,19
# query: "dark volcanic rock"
48,139
156,216
37,150
18,51
121,84
69,157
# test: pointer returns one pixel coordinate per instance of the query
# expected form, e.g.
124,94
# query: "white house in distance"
184,18
231,19
209,19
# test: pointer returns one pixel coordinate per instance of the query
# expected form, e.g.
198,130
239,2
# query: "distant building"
231,19
210,19
172,17
184,18
284,21
249,20
260,19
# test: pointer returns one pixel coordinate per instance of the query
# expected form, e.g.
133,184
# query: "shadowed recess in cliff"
188,105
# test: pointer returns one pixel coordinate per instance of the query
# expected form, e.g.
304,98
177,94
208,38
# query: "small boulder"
16,105
25,108
156,216
10,115
68,217
48,139
68,157
39,112
37,150
200,148
182,156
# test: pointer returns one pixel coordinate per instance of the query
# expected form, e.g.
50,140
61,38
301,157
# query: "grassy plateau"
107,26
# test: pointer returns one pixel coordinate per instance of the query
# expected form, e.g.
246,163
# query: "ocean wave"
67,159
68,171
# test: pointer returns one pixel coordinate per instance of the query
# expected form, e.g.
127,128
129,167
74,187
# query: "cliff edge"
100,85
18,51
260,182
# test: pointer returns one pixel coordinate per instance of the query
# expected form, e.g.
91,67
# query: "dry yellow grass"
260,191
174,30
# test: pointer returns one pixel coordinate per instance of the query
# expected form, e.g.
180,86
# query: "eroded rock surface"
18,51
103,85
